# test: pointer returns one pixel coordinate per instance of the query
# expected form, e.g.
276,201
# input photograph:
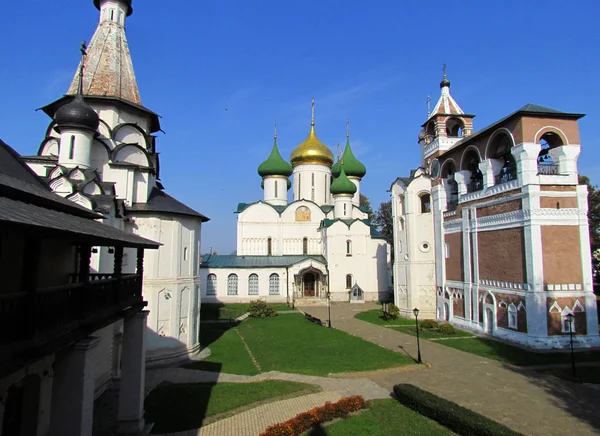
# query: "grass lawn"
584,374
292,344
515,355
432,334
182,407
228,353
374,317
212,311
386,418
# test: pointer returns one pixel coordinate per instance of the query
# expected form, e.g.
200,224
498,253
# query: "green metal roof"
275,165
233,261
352,166
342,184
326,208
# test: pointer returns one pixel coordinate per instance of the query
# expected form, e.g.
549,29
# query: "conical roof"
352,166
342,184
275,165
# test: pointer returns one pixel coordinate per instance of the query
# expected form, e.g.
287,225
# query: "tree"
364,201
384,222
594,223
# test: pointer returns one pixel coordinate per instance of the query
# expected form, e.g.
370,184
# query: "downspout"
287,285
328,297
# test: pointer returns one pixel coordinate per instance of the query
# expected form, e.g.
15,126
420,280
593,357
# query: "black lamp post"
570,318
328,309
416,312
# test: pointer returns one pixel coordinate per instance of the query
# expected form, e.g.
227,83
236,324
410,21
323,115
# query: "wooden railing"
31,316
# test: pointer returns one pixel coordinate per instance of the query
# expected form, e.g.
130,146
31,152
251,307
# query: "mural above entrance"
303,214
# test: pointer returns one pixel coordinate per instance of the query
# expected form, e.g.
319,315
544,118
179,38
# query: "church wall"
561,255
454,259
532,126
243,275
113,117
311,182
501,255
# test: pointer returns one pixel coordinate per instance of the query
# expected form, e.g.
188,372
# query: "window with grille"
211,285
274,284
253,284
232,284
348,281
305,246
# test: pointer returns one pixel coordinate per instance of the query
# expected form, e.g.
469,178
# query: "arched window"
253,284
72,147
185,253
348,281
512,316
348,247
305,246
425,203
448,172
546,164
269,247
312,187
274,284
471,163
232,284
500,150
211,284
454,128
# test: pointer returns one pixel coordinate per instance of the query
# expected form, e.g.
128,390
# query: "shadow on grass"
317,430
179,407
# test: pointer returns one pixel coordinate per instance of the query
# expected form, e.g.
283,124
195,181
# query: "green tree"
384,221
364,201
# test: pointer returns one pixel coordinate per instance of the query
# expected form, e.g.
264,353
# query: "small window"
276,186
345,211
274,284
512,316
312,180
232,284
112,15
299,185
425,203
211,285
348,247
305,246
348,281
325,187
269,247
253,284
447,250
72,147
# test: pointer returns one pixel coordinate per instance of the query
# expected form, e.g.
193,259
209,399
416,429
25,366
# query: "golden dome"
312,151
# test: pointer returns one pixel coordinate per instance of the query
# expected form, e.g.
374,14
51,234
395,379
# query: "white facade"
414,249
311,182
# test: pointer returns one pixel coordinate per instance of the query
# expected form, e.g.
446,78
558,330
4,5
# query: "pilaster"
463,178
489,168
73,390
566,157
526,155
133,375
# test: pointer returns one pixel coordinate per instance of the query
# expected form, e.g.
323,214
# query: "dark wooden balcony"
46,314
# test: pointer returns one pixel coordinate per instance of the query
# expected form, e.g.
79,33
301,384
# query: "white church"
319,245
99,151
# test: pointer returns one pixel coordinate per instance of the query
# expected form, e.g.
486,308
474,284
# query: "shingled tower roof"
446,105
108,69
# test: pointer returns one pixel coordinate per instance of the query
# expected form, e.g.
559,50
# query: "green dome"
275,165
342,184
352,166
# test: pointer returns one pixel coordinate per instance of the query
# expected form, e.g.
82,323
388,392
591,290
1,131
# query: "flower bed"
304,421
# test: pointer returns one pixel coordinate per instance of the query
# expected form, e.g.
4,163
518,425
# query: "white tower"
275,172
342,190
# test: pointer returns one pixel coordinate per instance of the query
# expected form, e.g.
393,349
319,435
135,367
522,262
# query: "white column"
489,168
275,190
566,158
133,375
75,147
526,155
342,206
73,390
463,178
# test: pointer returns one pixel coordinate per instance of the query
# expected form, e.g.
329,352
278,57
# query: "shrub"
304,421
428,324
392,312
447,329
260,309
458,419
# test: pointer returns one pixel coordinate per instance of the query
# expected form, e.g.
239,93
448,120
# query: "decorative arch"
105,129
492,141
50,132
49,147
57,171
127,131
551,129
454,127
131,153
92,188
81,200
466,151
61,185
424,201
448,168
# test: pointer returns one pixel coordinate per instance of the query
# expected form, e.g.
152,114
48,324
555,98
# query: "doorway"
446,312
310,284
489,321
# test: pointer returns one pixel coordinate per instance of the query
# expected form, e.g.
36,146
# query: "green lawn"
182,407
374,317
212,311
227,352
292,344
386,418
431,334
515,355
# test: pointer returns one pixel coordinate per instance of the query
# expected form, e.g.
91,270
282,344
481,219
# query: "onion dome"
352,166
275,165
77,114
127,3
342,184
312,151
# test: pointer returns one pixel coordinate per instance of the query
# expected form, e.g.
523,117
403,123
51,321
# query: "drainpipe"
328,299
287,285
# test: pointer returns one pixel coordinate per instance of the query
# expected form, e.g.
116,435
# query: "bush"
392,312
458,419
447,329
428,324
260,309
328,412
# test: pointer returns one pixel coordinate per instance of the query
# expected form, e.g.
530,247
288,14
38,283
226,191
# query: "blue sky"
372,62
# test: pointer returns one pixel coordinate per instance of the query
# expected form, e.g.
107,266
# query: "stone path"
527,401
252,422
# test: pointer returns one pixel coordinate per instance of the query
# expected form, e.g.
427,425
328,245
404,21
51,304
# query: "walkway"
527,401
254,421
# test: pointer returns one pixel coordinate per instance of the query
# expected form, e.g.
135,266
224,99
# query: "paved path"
527,401
254,421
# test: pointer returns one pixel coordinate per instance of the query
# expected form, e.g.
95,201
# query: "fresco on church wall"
303,214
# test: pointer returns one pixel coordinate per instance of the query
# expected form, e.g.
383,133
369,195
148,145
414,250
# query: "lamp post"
416,312
570,318
328,309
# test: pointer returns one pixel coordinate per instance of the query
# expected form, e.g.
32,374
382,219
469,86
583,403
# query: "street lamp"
328,309
570,318
416,312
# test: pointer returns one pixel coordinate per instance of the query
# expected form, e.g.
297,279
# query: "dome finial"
445,82
347,128
312,123
275,129
83,50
